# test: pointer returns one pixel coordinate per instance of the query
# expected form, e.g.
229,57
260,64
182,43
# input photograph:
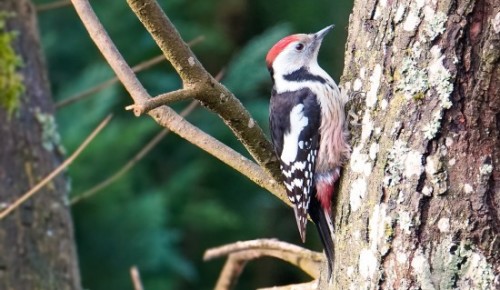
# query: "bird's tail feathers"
323,222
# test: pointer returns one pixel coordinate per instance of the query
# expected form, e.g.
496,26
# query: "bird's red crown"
278,48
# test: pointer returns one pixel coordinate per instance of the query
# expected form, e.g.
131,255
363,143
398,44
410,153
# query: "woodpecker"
308,131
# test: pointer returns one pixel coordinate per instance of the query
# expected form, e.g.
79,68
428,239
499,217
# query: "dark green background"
178,201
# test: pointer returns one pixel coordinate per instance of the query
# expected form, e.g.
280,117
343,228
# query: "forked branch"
199,84
240,253
234,115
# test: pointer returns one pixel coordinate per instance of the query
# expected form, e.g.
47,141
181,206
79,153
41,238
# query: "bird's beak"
317,38
320,34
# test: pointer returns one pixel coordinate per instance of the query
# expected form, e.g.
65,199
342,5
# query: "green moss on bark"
11,81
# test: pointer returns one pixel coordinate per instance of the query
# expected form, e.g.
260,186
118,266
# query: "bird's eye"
299,46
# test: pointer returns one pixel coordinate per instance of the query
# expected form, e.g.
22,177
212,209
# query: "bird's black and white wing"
295,120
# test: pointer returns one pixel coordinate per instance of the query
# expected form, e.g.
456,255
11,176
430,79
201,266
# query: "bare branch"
215,96
130,164
56,171
136,278
170,42
162,99
309,261
109,51
137,68
166,117
232,270
107,83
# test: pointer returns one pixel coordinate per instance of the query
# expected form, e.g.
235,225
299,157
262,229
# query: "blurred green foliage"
178,201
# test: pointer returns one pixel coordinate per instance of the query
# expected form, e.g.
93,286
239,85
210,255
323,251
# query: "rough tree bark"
37,249
418,207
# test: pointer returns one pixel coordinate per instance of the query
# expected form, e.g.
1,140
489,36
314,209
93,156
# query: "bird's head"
295,52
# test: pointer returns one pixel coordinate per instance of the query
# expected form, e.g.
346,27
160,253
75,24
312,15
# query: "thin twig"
136,278
167,98
136,69
309,261
56,171
53,5
131,163
162,99
82,95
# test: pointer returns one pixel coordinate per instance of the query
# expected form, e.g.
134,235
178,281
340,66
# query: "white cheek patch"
291,139
289,60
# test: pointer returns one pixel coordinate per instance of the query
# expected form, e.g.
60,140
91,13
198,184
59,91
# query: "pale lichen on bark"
398,219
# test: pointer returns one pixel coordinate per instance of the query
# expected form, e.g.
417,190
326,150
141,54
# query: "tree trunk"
418,206
37,249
